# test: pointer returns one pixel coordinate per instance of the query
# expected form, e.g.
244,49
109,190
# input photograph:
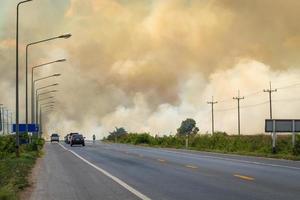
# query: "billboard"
282,125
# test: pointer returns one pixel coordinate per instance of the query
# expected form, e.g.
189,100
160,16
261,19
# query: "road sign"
282,126
22,128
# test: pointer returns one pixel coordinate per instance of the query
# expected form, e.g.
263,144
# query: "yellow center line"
191,166
161,160
244,177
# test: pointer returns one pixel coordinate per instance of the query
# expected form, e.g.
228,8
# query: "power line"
280,100
289,86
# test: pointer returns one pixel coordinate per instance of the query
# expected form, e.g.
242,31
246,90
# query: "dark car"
77,139
69,137
54,137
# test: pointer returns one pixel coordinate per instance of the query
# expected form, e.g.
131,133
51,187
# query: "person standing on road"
94,138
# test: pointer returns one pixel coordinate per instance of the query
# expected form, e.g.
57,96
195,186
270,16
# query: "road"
113,171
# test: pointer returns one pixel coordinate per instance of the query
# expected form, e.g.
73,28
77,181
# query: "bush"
7,145
220,142
35,145
296,149
14,171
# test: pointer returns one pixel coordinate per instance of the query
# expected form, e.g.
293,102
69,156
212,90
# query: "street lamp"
17,78
41,88
47,105
48,108
37,102
33,97
64,36
47,98
50,103
32,84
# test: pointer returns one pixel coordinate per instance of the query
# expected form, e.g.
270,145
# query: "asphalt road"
112,171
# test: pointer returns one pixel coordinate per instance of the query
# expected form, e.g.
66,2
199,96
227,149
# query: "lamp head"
61,60
65,36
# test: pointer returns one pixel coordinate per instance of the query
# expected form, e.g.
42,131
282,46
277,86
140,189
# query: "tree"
117,133
188,127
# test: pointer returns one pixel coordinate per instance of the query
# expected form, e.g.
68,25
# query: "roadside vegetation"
14,171
254,145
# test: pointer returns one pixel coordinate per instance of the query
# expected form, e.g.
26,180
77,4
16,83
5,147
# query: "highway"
115,171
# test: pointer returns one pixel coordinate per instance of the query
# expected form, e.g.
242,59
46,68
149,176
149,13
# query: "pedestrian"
94,138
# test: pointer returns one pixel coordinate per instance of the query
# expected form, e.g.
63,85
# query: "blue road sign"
22,128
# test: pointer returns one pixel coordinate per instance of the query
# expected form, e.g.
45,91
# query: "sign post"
282,126
274,138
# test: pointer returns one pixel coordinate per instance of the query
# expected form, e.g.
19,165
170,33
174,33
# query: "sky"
146,65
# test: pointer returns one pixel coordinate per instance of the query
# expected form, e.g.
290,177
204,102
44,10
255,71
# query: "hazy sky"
147,65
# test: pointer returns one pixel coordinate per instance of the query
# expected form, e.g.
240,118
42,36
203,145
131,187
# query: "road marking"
244,177
117,180
161,160
199,157
191,166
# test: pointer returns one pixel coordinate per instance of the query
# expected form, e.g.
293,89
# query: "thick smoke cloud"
148,64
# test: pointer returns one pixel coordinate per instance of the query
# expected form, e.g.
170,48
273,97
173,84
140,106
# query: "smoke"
147,65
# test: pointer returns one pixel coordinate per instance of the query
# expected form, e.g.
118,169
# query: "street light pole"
37,102
17,78
45,105
7,121
40,116
65,36
43,110
33,96
1,119
32,85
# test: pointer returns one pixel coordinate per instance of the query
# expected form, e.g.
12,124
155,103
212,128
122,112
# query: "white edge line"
117,180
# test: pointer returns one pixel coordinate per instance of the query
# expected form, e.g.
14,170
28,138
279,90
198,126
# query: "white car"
54,137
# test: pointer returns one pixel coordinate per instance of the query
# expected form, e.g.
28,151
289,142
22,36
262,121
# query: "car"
70,136
54,137
77,139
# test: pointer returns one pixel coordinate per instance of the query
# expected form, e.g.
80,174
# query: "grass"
253,145
14,171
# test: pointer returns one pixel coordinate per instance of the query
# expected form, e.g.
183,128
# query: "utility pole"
239,98
212,102
270,91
